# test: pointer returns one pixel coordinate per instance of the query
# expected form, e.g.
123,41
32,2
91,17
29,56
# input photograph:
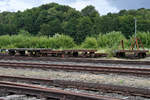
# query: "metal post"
135,31
135,27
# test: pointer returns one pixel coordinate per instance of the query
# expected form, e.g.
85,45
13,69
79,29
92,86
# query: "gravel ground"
121,80
18,97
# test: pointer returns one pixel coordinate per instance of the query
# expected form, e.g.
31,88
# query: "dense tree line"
50,19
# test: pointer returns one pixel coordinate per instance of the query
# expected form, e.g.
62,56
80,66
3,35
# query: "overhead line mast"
135,29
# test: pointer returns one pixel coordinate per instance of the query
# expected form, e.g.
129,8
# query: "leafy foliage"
111,39
144,37
89,43
62,41
26,41
50,19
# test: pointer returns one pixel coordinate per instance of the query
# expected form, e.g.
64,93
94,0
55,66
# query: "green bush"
20,41
62,41
145,38
24,32
111,39
89,43
26,41
4,41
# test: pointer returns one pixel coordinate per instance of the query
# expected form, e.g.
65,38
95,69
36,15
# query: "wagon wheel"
12,53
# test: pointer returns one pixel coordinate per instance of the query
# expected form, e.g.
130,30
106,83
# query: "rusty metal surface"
134,51
135,46
69,53
48,92
80,50
24,49
93,69
49,52
81,85
71,50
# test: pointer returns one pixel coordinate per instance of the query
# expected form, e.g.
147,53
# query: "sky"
102,6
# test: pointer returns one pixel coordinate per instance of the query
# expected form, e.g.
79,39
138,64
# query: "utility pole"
135,26
135,31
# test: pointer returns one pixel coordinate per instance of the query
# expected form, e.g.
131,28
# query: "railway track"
81,85
91,69
83,60
48,93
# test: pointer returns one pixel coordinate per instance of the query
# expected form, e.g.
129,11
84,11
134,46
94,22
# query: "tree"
70,27
84,28
89,11
53,18
126,25
51,28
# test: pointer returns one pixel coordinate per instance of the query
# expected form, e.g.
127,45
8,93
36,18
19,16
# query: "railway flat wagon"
135,53
134,50
80,53
27,51
53,53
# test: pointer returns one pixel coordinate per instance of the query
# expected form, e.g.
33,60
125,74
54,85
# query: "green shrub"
4,41
62,41
111,39
145,38
89,43
24,32
20,41
26,41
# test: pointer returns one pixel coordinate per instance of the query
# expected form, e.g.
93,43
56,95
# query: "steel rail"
84,66
84,60
48,92
92,69
81,85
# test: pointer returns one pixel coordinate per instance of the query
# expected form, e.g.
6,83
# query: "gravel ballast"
122,80
81,63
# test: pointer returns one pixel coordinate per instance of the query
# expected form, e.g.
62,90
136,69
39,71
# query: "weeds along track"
83,60
80,85
48,93
92,69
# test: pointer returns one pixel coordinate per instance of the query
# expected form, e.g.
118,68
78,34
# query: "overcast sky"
103,6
